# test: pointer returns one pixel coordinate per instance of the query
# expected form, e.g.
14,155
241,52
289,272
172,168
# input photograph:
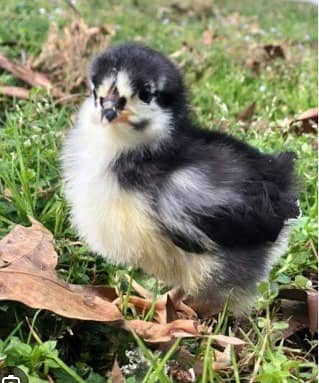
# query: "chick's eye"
145,95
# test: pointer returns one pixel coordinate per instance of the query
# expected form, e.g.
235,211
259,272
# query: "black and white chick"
198,209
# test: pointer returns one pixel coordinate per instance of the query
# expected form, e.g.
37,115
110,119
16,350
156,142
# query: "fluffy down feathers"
196,208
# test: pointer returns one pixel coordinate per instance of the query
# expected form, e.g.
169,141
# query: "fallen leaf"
66,53
247,114
312,305
310,298
274,51
171,313
27,275
179,374
15,91
295,314
225,340
193,6
208,37
222,359
29,76
306,122
260,55
155,332
116,373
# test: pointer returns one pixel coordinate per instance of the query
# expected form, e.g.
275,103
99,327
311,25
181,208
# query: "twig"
73,7
29,76
15,91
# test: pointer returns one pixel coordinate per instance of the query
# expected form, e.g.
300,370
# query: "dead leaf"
260,55
192,6
274,51
116,373
156,333
14,91
225,340
247,114
208,37
222,359
306,122
171,313
29,76
27,275
66,53
179,374
310,298
312,305
295,313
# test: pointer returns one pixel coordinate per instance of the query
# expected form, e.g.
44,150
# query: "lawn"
221,50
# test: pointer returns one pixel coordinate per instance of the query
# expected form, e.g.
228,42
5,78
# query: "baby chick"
198,209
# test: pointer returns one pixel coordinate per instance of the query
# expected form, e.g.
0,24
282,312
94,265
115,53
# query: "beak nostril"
109,114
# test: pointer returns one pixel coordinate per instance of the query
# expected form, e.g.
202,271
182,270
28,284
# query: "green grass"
221,86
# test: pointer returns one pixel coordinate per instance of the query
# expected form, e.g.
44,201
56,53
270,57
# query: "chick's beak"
113,109
109,110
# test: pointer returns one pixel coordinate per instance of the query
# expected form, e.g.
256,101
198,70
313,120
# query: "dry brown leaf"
179,374
208,37
225,340
306,122
29,76
310,298
28,258
295,313
274,51
155,332
260,55
116,373
15,91
171,313
193,6
66,53
247,114
222,359
312,305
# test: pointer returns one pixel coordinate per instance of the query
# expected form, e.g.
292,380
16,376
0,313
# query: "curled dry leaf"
155,332
222,359
180,374
28,258
225,340
306,122
192,6
167,307
29,76
66,53
260,55
309,318
247,114
312,305
208,37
